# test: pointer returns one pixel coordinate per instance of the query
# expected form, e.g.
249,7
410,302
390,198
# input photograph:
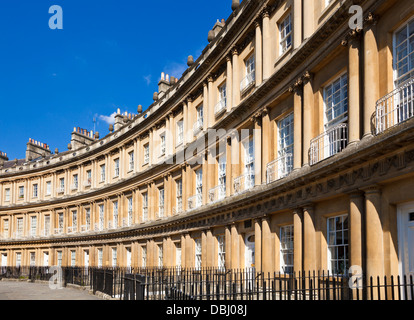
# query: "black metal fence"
220,284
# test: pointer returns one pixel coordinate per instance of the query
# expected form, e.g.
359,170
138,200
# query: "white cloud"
108,120
147,79
175,69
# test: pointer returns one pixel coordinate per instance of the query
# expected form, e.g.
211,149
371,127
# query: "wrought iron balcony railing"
195,201
247,81
279,168
331,142
220,107
243,183
217,193
396,107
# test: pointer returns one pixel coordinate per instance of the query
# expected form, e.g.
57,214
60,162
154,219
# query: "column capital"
307,77
210,78
309,207
189,99
354,194
234,51
265,13
228,58
373,189
371,19
297,210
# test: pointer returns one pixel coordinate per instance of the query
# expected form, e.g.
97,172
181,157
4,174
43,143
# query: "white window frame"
180,132
198,253
285,34
145,206
7,194
222,168
115,211
48,188
103,173
21,192
116,168
327,98
100,258
131,157
162,145
332,244
146,154
161,202
114,257
144,256
221,251
286,249
33,226
400,79
35,190
199,187
179,195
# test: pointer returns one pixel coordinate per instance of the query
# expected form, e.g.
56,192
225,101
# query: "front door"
249,251
406,239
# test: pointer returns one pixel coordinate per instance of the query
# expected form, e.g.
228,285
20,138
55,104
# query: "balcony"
243,183
329,143
72,229
18,235
113,224
61,190
160,213
216,194
395,108
85,227
58,231
74,187
45,232
178,209
220,107
279,168
247,82
195,202
99,226
87,183
198,126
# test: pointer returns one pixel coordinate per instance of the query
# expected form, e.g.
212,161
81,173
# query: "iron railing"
329,143
243,183
395,108
222,284
217,193
279,168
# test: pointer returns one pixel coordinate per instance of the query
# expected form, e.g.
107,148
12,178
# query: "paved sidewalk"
22,290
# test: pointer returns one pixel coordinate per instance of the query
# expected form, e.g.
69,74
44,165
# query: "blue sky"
109,55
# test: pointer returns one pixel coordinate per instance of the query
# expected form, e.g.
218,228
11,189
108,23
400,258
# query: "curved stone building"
287,145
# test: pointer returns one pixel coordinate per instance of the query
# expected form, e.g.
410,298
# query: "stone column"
257,142
267,254
258,244
235,247
308,18
374,233
267,54
297,90
229,83
185,122
206,102
297,23
297,240
258,53
236,79
229,166
266,143
356,215
211,102
354,87
309,243
228,247
307,117
371,73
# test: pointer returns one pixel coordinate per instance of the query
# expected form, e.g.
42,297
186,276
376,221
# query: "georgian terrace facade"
322,180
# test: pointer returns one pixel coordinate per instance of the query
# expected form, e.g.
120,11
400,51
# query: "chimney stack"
81,137
164,84
3,156
36,149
